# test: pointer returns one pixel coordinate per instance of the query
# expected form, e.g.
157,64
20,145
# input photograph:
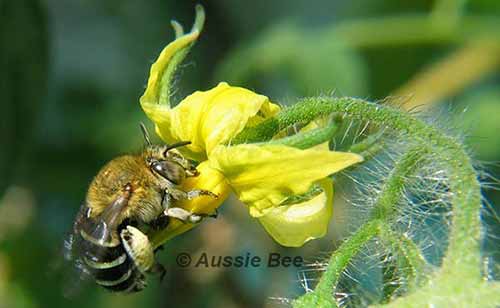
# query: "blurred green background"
71,73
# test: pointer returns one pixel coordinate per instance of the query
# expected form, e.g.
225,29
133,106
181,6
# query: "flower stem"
413,264
322,295
462,258
381,215
385,205
308,139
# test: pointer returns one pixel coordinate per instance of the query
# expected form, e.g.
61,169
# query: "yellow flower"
209,118
287,223
274,181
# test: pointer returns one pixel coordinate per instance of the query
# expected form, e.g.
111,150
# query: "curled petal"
206,118
209,179
162,69
263,176
155,100
213,117
294,225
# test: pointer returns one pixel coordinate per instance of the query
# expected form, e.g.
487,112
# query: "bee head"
166,160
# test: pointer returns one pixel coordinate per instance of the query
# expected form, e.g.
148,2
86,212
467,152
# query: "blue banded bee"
130,195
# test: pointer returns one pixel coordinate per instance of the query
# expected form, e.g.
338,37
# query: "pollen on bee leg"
200,192
179,213
187,216
138,248
178,194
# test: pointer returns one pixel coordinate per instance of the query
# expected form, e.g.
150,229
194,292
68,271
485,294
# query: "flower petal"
209,179
155,100
213,117
294,225
263,176
154,93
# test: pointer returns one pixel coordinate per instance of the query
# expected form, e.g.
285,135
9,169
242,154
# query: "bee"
131,194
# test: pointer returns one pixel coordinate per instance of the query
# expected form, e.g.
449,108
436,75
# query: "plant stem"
322,295
382,214
414,264
386,203
308,139
462,255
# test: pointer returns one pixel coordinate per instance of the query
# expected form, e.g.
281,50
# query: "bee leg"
189,168
158,268
215,214
178,194
187,216
192,172
138,248
183,214
161,222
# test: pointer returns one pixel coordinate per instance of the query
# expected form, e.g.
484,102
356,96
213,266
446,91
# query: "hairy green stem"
466,199
308,139
462,255
413,264
385,209
391,273
381,215
322,295
385,206
367,144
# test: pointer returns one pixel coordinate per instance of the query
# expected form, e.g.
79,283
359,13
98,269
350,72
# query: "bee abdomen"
110,265
127,281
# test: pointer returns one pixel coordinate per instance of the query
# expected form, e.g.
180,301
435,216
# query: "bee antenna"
145,133
177,145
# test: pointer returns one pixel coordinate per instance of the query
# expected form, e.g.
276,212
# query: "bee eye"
158,168
169,170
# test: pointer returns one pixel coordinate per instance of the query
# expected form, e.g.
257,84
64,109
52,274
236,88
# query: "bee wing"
101,229
74,274
98,230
